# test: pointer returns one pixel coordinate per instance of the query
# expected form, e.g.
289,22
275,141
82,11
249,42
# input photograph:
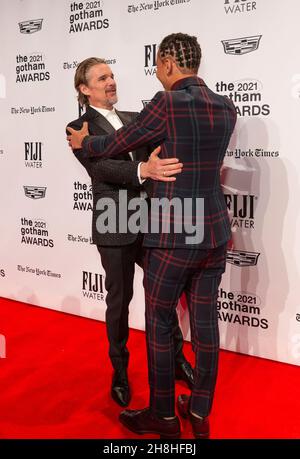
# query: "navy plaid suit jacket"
191,123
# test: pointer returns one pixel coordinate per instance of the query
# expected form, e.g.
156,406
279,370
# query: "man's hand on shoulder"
76,137
160,169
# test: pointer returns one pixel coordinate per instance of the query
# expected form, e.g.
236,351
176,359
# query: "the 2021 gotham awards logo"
31,26
241,210
242,258
31,68
82,196
2,273
35,232
247,96
242,308
239,46
93,286
35,192
33,154
87,16
150,59
239,6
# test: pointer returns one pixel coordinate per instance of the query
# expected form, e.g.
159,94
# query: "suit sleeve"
108,170
149,127
233,112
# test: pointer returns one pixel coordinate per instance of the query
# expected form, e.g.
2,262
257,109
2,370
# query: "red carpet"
55,383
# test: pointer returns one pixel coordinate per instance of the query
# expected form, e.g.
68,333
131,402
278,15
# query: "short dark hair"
81,77
185,50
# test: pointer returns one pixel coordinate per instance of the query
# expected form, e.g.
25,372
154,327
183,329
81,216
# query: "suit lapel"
124,117
100,125
99,122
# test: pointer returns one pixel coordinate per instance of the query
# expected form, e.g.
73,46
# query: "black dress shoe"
200,425
120,390
184,371
144,422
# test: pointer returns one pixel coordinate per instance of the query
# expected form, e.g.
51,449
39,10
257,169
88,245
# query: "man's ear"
84,89
169,65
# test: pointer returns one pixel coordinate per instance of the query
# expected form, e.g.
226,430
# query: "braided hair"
184,49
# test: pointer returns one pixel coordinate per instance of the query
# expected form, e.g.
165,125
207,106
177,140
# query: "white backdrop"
251,53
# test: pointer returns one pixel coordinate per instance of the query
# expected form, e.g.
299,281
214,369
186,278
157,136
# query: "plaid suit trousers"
169,273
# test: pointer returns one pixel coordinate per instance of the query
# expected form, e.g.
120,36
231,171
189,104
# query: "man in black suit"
96,87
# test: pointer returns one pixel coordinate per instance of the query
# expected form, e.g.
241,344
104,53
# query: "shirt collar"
103,111
188,81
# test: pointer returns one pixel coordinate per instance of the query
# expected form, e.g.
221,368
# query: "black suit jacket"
108,176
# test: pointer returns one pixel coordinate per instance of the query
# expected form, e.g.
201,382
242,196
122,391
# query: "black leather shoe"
184,371
144,422
200,425
120,390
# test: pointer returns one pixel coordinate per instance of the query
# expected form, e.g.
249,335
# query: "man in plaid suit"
194,124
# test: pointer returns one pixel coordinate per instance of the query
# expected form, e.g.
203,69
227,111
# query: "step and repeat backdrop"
250,53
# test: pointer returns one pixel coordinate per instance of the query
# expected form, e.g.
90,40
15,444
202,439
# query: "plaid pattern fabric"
193,124
169,273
